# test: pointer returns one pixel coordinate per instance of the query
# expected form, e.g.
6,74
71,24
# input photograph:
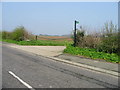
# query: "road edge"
78,64
87,66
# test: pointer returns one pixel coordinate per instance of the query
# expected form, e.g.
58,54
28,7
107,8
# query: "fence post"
36,37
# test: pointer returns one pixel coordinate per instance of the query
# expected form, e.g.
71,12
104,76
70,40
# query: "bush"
91,41
109,42
109,45
19,34
80,38
87,41
6,35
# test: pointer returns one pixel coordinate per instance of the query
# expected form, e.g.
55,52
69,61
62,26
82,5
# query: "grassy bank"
92,53
39,42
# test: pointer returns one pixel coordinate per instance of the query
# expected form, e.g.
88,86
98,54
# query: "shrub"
80,38
20,34
87,41
91,41
109,42
6,35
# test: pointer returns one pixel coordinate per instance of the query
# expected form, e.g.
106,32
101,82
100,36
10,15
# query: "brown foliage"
91,41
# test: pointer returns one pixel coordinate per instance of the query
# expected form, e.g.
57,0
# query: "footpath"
55,53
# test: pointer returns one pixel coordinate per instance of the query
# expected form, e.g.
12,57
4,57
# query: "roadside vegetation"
97,46
39,42
102,46
22,37
92,53
0,36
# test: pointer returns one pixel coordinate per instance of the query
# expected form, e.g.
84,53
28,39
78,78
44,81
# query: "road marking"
24,83
50,86
40,85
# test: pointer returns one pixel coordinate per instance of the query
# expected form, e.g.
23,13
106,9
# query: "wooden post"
36,37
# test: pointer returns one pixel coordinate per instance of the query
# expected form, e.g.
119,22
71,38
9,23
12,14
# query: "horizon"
57,18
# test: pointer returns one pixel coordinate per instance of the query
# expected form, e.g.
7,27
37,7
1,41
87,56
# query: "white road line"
50,86
24,83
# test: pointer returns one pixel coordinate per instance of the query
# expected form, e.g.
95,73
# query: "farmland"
54,38
44,41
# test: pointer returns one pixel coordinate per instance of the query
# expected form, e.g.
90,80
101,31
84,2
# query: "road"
21,69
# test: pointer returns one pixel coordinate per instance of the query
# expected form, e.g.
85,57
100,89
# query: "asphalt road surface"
21,69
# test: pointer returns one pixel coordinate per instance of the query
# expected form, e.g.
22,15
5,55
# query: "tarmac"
56,53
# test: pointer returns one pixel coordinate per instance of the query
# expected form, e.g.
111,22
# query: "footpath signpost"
76,22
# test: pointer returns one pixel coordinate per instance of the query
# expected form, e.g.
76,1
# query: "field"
45,41
54,38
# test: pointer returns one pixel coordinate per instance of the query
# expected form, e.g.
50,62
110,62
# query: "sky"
119,17
57,18
0,16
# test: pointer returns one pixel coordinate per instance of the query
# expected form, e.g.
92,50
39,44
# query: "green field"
40,42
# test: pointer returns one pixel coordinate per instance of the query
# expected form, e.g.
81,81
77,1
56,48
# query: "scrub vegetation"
22,37
97,46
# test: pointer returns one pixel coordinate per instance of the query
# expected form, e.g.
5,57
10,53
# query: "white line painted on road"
50,86
24,83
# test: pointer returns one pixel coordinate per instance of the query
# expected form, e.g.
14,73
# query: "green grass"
92,53
40,42
9,41
0,36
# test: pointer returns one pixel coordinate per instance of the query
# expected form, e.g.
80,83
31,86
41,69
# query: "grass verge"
39,42
92,53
